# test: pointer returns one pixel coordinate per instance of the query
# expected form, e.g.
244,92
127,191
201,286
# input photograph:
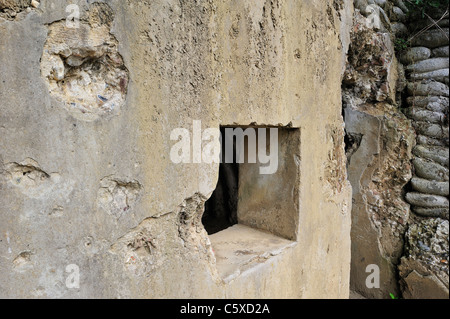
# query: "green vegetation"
419,10
401,44
393,296
422,7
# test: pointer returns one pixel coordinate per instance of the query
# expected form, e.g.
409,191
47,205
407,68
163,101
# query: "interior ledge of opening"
239,248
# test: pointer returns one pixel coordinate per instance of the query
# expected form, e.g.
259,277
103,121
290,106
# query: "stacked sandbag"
424,271
427,67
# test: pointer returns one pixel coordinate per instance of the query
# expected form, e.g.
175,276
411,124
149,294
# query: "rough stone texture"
372,67
12,9
222,62
375,132
116,196
424,268
401,4
377,173
379,222
14,4
30,178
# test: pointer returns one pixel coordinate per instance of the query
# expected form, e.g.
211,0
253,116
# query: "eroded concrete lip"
241,248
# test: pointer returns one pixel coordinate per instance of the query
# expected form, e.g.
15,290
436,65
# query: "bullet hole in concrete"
82,66
23,261
117,197
221,208
29,178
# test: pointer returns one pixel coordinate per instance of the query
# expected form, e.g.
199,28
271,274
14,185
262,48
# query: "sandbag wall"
424,267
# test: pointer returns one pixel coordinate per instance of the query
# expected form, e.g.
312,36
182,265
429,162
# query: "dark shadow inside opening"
221,209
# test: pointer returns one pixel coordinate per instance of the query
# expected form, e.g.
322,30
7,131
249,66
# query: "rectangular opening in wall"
254,210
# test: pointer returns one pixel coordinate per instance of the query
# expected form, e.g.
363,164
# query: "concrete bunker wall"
101,192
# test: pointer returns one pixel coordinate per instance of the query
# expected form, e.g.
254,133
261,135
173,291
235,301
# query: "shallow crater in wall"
82,66
116,196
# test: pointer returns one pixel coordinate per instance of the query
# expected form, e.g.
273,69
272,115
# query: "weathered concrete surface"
239,248
222,62
378,170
